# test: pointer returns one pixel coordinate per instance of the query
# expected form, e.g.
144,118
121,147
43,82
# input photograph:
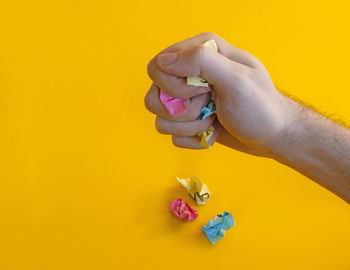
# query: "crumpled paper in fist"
174,106
205,136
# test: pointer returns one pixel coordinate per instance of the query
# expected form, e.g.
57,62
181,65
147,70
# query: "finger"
202,61
225,48
192,142
194,106
190,128
173,85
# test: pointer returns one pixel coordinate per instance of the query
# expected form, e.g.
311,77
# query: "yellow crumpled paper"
205,136
196,189
198,81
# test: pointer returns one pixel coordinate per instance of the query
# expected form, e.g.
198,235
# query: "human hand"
251,112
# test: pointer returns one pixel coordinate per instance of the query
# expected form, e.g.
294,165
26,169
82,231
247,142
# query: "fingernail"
167,59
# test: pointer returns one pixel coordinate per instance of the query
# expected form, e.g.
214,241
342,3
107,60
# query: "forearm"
251,113
317,147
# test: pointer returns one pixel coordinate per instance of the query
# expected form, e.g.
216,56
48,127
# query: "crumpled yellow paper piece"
199,81
196,189
205,136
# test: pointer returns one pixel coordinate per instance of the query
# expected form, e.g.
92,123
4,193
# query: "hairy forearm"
317,147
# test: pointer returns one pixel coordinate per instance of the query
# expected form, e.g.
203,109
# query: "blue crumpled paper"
208,110
215,229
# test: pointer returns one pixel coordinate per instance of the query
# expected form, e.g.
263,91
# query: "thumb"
201,61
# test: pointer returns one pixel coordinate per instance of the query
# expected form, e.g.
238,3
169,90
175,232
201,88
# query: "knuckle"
256,62
150,68
209,35
244,75
176,141
250,75
200,51
149,102
200,55
160,126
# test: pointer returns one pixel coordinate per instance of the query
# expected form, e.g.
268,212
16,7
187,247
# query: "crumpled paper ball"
182,210
215,229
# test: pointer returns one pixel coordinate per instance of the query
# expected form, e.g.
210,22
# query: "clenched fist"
251,113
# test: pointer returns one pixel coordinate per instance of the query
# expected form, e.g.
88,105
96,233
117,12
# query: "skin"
252,115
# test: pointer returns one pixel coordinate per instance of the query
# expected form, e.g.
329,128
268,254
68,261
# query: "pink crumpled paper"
175,106
182,210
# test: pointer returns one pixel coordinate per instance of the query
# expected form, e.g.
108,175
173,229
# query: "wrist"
282,145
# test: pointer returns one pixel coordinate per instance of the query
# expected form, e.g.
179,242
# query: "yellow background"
86,181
